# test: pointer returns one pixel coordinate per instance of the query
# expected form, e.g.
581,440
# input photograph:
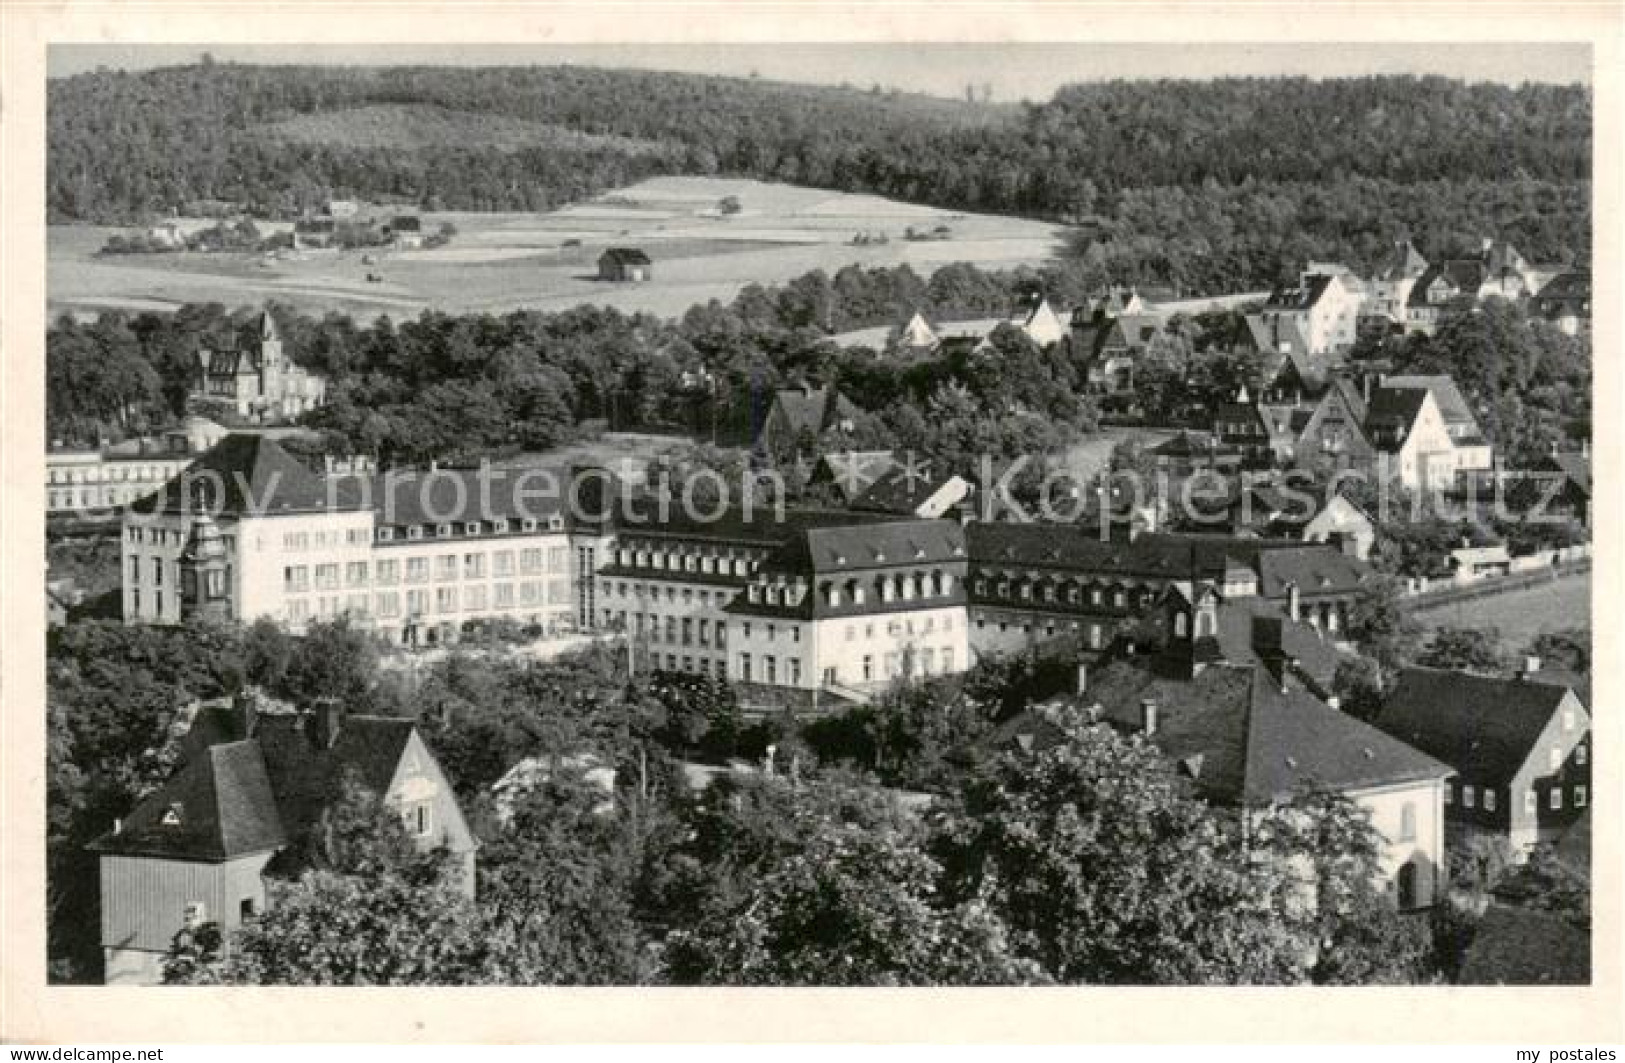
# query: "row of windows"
899,587
1071,593
683,561
1472,797
110,474
897,664
653,592
684,631
1050,627
500,526
393,604
445,568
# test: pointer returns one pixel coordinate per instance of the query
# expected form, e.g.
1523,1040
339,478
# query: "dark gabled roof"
762,525
1243,739
1452,403
1392,413
853,471
625,256
406,223
219,805
1571,463
809,409
249,475
898,491
884,545
1485,727
1568,286
1525,946
1300,296
1404,260
1466,275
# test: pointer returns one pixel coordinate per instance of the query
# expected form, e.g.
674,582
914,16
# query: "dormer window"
386,534
415,532
500,525
172,815
529,525
555,523
471,528
444,531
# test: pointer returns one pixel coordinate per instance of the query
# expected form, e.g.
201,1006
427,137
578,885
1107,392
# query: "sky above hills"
1011,71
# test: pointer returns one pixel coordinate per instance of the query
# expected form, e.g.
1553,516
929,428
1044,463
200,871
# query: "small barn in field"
625,264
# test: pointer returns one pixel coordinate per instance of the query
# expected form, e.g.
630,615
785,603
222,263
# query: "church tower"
270,359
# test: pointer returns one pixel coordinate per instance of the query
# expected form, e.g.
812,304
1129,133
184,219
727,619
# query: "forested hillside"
1246,177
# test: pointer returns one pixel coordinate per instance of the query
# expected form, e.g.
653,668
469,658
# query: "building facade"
416,557
260,382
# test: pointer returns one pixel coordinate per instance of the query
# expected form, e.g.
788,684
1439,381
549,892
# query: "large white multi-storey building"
415,556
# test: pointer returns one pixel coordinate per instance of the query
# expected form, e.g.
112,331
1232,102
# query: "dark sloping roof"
1573,464
1403,261
809,409
458,496
902,542
250,475
625,256
1525,946
406,223
1483,726
219,805
1570,286
897,491
1299,296
1452,403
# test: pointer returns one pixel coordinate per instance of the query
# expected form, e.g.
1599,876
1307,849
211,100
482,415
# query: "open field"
502,262
1521,615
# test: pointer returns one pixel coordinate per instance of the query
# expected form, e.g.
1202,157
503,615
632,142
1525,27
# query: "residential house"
1520,748
1473,451
1310,513
1235,694
1333,436
917,334
913,488
1392,281
839,477
1038,321
800,416
625,264
255,781
1408,431
1325,306
1565,300
406,231
260,381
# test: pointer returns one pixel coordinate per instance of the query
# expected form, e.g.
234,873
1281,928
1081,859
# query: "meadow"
499,262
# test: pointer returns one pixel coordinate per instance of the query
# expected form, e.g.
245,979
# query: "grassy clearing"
1521,615
547,261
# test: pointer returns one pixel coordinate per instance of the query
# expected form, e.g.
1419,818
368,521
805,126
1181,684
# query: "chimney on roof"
1292,602
326,721
1334,702
247,704
1083,678
1148,717
1531,667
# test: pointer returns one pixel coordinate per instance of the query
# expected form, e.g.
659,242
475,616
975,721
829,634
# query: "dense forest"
1204,185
